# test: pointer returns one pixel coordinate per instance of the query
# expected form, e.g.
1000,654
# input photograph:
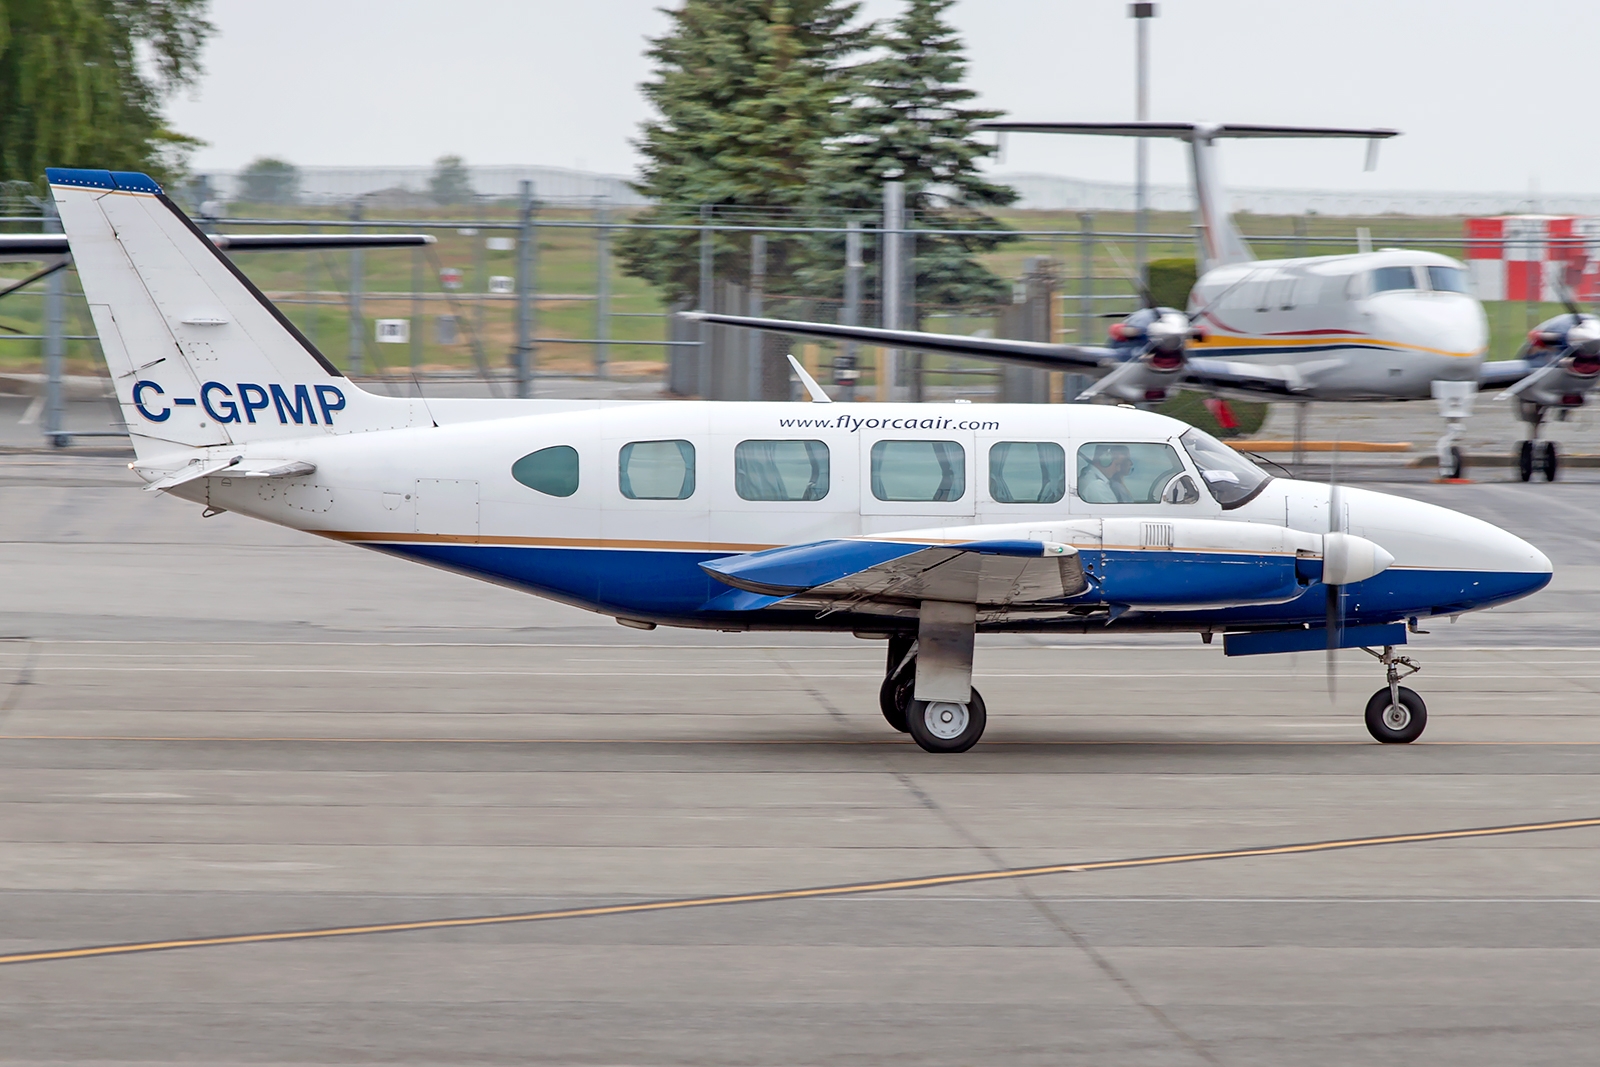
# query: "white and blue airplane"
923,524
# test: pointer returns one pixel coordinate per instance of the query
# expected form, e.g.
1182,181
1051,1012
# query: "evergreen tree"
82,82
450,183
269,181
749,94
910,124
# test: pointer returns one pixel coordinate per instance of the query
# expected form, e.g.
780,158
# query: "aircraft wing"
986,573
1257,381
1186,131
1076,358
34,246
1499,373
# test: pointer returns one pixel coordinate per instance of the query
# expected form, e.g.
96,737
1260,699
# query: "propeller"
1335,590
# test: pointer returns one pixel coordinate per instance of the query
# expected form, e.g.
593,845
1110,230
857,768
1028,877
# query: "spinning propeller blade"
1335,618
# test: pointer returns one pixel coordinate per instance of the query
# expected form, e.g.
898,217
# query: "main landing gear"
1534,454
927,687
1395,715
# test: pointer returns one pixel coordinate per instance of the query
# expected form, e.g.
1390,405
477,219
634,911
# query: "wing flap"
987,573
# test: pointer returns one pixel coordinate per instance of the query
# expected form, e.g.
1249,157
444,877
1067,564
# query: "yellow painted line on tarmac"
811,893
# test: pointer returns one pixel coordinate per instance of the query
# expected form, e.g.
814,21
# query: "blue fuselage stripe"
671,586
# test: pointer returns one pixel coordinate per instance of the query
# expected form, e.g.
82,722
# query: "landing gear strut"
1395,715
927,686
1534,454
1455,406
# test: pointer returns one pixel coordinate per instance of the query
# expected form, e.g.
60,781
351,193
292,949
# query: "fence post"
602,289
1073,384
754,308
527,277
845,373
358,331
55,344
889,269
417,317
703,335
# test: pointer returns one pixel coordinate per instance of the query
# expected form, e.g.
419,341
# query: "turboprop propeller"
1346,559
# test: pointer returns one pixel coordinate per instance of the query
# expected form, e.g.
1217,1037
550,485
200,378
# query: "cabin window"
1447,280
1386,279
780,470
656,470
919,471
552,471
1230,477
1027,472
1135,472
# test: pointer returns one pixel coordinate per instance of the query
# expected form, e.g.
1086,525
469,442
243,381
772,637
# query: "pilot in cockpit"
1101,482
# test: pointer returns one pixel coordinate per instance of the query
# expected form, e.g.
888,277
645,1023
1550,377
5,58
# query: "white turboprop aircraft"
1387,325
923,524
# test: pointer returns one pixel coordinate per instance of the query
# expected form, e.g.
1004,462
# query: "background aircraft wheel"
894,699
1548,462
943,726
1396,724
1458,463
1525,460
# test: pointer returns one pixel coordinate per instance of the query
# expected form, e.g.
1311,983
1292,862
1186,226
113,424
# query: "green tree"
748,95
269,181
450,183
82,83
910,123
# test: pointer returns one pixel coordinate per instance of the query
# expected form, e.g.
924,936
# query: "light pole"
1141,15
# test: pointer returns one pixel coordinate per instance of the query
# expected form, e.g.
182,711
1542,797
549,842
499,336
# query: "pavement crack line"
805,893
24,678
1073,936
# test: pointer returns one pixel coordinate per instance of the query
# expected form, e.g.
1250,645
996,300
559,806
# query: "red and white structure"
1523,257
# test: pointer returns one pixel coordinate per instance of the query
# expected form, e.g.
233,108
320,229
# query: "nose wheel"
1395,715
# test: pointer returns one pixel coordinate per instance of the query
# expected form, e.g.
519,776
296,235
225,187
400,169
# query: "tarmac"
268,800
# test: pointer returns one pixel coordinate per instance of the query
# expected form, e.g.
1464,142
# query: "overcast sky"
1490,95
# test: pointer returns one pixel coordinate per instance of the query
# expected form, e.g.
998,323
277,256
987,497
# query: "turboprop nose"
1452,561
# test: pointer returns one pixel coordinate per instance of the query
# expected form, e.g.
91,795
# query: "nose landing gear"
1395,715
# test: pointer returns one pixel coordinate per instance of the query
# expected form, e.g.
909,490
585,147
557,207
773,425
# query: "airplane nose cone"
1443,559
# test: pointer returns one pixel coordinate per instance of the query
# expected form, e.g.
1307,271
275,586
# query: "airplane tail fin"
1220,241
198,355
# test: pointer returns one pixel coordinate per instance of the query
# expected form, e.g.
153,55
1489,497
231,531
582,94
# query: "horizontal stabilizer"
236,467
1187,131
987,573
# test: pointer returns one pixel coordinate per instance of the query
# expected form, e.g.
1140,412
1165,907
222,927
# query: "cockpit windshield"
1232,478
1386,279
1447,280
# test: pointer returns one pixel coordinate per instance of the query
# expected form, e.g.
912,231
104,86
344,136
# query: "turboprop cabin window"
780,470
1230,477
553,470
1027,472
919,470
656,470
1447,280
1385,279
1133,472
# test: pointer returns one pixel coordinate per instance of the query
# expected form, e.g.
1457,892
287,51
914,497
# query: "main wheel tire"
944,726
1396,724
1548,461
894,699
1458,463
1525,460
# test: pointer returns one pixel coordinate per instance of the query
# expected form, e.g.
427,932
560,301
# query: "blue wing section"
128,181
796,568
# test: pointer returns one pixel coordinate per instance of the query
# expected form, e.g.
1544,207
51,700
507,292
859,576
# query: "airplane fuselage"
1370,326
614,506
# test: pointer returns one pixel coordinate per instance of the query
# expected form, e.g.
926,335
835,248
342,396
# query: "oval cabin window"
552,471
